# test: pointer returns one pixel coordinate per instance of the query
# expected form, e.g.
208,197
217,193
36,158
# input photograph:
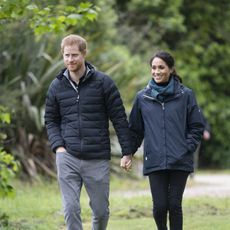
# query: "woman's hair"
73,39
168,59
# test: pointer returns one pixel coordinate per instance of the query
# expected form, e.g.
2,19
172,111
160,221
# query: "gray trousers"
94,174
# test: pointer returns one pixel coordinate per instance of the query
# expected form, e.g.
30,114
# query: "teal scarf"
161,92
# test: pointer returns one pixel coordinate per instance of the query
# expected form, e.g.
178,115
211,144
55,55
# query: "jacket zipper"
164,133
79,118
163,119
153,99
163,109
76,88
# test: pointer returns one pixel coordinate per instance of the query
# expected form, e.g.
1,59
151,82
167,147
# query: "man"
80,101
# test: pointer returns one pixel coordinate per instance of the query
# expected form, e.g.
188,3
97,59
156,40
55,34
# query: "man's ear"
84,52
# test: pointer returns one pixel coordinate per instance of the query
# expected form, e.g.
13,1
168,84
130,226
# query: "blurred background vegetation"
122,35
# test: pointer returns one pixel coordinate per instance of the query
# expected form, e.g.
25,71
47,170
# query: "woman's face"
160,70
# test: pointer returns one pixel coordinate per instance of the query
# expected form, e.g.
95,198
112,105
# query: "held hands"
60,149
126,162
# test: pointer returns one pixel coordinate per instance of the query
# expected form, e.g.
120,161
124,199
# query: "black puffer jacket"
79,119
171,130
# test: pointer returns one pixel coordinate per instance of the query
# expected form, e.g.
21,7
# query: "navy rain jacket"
171,130
79,119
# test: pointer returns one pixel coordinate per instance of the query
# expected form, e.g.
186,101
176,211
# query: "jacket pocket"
151,157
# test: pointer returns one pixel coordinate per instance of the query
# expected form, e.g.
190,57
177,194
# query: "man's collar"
67,75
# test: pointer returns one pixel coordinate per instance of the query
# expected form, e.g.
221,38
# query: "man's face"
74,60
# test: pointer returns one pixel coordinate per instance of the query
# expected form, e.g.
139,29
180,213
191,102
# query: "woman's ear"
172,70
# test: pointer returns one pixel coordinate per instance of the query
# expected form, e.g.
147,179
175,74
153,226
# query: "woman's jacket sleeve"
195,124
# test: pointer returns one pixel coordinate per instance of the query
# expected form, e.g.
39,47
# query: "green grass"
38,207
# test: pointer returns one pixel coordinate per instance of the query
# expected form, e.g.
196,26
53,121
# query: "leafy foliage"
8,165
47,18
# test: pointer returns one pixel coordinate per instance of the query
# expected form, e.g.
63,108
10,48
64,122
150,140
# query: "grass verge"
38,206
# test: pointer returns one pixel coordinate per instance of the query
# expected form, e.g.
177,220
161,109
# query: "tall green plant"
46,16
8,164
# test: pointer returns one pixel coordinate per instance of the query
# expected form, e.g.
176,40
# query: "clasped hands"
126,162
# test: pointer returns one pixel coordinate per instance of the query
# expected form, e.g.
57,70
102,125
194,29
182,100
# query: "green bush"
8,166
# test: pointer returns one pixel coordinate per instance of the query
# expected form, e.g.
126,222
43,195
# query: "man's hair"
73,39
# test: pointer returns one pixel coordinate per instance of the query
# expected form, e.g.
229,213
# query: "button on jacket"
171,130
77,117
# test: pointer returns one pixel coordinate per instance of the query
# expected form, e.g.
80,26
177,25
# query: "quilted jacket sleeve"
117,115
52,119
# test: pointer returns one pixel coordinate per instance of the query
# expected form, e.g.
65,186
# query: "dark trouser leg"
159,189
176,189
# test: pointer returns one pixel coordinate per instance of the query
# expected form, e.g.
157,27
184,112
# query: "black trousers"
167,188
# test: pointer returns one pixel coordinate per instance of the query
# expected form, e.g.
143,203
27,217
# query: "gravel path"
215,185
212,185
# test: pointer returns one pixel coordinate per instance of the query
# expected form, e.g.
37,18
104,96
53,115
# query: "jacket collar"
90,69
178,91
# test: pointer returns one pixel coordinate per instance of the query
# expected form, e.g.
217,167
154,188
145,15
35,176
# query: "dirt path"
215,185
212,185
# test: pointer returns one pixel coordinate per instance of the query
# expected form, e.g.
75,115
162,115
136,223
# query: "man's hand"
60,149
206,135
126,162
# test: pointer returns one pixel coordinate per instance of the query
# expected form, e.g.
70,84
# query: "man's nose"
70,57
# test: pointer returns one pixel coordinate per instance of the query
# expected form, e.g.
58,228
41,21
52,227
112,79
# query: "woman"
165,114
